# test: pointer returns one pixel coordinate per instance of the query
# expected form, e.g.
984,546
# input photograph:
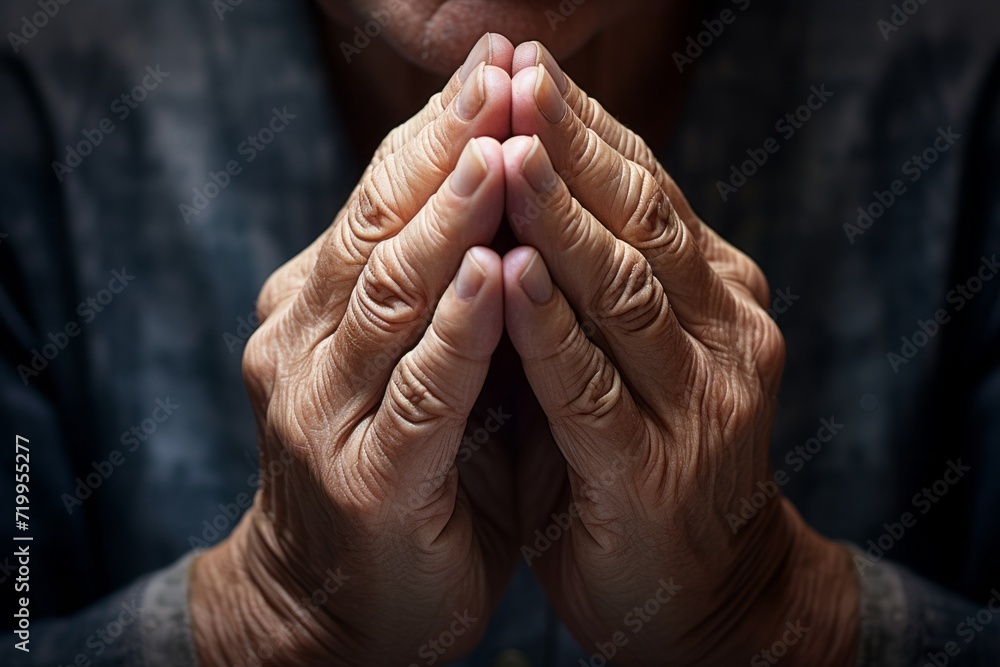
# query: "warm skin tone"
651,429
602,45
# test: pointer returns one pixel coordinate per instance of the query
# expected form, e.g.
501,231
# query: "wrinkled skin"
657,369
650,370
368,409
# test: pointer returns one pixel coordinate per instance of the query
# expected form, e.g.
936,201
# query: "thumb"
418,427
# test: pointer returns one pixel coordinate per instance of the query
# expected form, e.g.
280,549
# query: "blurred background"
160,159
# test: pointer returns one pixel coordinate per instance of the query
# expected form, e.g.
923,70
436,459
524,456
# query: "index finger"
492,49
728,262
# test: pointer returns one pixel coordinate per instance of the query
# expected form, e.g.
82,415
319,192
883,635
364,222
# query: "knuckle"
559,205
769,347
631,299
364,481
372,212
435,145
288,280
594,115
585,151
271,294
651,221
435,106
259,365
389,291
599,393
579,231
631,146
392,142
639,151
444,341
415,397
755,279
433,233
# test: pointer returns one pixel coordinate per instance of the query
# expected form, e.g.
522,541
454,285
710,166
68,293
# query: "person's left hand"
657,368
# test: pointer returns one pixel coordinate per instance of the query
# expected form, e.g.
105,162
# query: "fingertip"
531,307
480,277
491,267
515,150
487,259
479,173
491,49
535,280
531,185
525,56
492,152
525,272
533,54
514,263
524,112
523,84
501,52
496,121
477,298
496,77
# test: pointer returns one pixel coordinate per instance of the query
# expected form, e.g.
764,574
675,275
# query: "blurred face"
437,34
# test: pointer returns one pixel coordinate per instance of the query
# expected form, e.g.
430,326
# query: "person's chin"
437,34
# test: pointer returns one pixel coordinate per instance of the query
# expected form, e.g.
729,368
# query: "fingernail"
544,58
470,277
535,280
471,99
470,171
537,168
481,53
548,98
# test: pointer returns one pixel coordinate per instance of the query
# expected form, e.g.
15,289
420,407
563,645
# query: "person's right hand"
361,408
